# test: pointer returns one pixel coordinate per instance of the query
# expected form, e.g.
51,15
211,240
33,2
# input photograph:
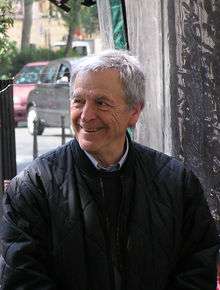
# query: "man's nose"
88,112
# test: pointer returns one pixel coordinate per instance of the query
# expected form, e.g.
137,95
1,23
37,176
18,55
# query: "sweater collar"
86,166
113,167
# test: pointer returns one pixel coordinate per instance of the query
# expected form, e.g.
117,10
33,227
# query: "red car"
24,82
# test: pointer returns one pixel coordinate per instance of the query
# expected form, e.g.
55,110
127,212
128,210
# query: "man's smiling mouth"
90,130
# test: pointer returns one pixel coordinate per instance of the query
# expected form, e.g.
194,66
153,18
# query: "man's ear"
135,113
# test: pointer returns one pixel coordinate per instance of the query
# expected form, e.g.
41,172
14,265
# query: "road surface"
50,139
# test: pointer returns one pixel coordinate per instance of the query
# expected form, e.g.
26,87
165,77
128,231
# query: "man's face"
100,115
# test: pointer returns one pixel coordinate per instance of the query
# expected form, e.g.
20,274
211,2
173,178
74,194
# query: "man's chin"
88,146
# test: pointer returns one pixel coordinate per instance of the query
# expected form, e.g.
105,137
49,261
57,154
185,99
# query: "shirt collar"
113,167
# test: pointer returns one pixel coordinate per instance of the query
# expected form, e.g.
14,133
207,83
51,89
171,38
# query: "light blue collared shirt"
113,167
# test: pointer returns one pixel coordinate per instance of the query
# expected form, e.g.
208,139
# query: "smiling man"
100,114
103,212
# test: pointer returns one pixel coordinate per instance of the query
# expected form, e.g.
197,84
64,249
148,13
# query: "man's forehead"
105,82
82,92
97,74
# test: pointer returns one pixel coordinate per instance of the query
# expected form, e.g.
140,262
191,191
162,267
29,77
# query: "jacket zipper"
120,234
104,221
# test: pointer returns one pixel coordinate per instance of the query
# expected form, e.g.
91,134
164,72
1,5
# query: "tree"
72,21
5,22
27,23
7,47
89,19
86,18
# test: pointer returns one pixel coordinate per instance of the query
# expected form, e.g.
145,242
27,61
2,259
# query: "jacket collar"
113,167
86,166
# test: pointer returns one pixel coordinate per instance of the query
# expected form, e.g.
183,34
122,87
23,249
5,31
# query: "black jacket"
52,236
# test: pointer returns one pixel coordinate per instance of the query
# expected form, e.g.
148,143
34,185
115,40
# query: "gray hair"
130,72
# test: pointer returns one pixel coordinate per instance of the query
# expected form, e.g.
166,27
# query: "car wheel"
31,117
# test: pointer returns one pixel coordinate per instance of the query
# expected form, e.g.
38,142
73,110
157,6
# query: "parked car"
81,47
50,99
24,82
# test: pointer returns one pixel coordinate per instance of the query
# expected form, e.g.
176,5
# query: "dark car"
49,101
24,82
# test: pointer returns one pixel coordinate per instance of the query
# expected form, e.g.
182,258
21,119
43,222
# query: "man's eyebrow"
101,97
76,95
104,98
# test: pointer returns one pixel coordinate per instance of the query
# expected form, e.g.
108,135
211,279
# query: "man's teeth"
89,130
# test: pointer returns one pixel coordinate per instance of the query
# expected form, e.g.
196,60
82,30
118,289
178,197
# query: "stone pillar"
178,44
145,22
195,102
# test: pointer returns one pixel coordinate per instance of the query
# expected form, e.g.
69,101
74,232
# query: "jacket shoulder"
158,163
49,168
57,158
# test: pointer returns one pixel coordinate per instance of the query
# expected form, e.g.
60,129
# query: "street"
50,139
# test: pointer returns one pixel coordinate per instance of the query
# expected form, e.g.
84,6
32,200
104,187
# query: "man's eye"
77,101
102,104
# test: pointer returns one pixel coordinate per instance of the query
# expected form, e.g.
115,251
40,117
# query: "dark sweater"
106,188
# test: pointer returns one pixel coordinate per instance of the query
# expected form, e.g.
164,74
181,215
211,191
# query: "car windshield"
29,75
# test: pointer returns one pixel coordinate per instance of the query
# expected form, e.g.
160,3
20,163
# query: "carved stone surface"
195,93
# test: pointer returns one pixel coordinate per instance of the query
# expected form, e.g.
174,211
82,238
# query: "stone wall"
195,92
146,40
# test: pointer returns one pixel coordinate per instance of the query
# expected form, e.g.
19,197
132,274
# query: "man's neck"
108,160
99,162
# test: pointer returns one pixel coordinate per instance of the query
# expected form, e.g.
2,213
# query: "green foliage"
5,22
7,47
5,16
85,17
72,17
89,19
6,59
14,60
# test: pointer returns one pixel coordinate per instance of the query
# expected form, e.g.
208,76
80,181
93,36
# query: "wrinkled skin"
100,115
